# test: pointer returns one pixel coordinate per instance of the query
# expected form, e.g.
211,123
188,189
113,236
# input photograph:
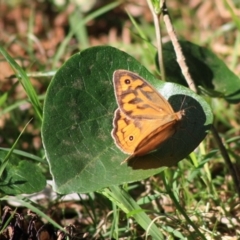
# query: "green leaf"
20,176
209,73
6,159
77,124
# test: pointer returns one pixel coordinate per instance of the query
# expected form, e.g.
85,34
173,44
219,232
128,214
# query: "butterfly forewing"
137,98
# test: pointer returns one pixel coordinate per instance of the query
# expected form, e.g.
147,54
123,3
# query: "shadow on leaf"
190,131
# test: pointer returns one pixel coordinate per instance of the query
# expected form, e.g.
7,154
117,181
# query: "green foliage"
76,131
20,176
24,80
209,72
78,115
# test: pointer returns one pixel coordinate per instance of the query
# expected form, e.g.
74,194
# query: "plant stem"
227,159
177,48
156,17
180,209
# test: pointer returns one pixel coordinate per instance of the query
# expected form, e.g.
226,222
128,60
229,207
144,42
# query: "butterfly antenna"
183,102
181,108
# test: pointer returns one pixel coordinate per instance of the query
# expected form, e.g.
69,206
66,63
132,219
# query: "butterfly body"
144,118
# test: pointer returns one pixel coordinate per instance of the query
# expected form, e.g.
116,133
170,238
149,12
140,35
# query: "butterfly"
144,119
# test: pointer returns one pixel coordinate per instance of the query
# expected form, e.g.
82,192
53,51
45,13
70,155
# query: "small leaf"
77,124
20,176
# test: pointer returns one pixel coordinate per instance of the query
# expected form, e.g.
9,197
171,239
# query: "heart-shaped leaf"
77,124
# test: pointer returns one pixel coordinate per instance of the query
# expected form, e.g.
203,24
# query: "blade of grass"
31,32
24,154
142,34
235,18
3,98
88,18
17,104
7,157
235,54
125,202
26,203
25,81
7,222
178,206
114,231
81,32
154,7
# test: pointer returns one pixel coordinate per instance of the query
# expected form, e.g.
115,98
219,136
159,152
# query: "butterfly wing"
156,137
138,99
138,137
126,132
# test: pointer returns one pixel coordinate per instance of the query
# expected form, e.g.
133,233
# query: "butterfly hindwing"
137,137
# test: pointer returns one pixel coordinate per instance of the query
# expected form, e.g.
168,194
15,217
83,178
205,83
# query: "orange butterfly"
144,118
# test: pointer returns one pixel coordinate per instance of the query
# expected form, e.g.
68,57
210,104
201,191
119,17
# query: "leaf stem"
156,16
